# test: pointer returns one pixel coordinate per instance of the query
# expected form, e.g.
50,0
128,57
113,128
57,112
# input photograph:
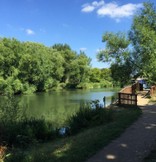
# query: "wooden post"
136,99
104,101
119,96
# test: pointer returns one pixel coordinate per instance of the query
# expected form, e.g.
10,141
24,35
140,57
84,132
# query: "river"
57,106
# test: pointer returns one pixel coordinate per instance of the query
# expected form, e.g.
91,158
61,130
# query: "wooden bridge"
128,95
127,99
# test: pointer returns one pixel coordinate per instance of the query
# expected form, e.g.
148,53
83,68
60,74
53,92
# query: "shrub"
84,85
96,85
106,84
24,132
89,117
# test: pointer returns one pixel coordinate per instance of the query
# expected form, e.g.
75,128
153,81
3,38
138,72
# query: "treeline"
27,67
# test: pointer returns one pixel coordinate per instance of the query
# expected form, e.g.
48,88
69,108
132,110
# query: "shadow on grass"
80,147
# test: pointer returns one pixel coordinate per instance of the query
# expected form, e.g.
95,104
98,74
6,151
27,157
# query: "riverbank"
78,147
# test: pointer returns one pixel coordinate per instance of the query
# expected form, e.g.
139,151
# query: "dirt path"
136,142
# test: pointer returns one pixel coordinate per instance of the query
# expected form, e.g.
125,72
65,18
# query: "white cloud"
115,11
88,8
91,7
112,9
83,49
98,4
30,32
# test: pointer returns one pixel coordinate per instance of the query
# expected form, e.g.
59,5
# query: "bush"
28,88
88,117
106,84
96,85
24,132
85,86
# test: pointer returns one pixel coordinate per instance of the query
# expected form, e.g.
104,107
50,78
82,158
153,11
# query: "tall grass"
81,146
88,117
16,129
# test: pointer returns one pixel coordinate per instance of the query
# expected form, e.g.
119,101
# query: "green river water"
57,106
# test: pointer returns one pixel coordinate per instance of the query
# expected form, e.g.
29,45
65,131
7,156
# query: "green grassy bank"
81,145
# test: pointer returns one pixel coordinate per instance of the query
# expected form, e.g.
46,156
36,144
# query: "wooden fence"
127,99
152,90
127,95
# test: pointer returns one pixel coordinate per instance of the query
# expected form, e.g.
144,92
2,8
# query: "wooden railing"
127,99
152,90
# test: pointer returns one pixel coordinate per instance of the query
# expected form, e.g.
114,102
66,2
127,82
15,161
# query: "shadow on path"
135,143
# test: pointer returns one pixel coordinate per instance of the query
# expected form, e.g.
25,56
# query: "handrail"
127,98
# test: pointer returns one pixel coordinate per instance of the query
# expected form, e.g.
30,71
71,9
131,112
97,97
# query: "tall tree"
143,38
121,73
68,56
117,53
116,48
137,49
95,75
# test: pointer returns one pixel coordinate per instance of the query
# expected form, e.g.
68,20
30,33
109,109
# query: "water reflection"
57,106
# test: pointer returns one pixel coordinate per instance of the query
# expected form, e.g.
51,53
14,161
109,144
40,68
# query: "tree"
116,50
27,67
95,75
68,56
121,73
10,54
143,38
106,74
136,50
80,67
118,54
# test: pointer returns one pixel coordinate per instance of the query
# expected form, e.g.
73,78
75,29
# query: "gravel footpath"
136,142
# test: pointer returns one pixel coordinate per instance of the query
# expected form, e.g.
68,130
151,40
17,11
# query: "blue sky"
78,23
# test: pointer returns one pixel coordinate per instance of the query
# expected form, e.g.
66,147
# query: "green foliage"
81,146
22,133
101,84
117,53
106,74
143,37
96,85
27,67
16,129
80,69
121,73
85,85
101,78
88,117
116,47
95,75
106,84
133,54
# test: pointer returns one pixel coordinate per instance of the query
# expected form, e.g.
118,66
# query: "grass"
79,147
